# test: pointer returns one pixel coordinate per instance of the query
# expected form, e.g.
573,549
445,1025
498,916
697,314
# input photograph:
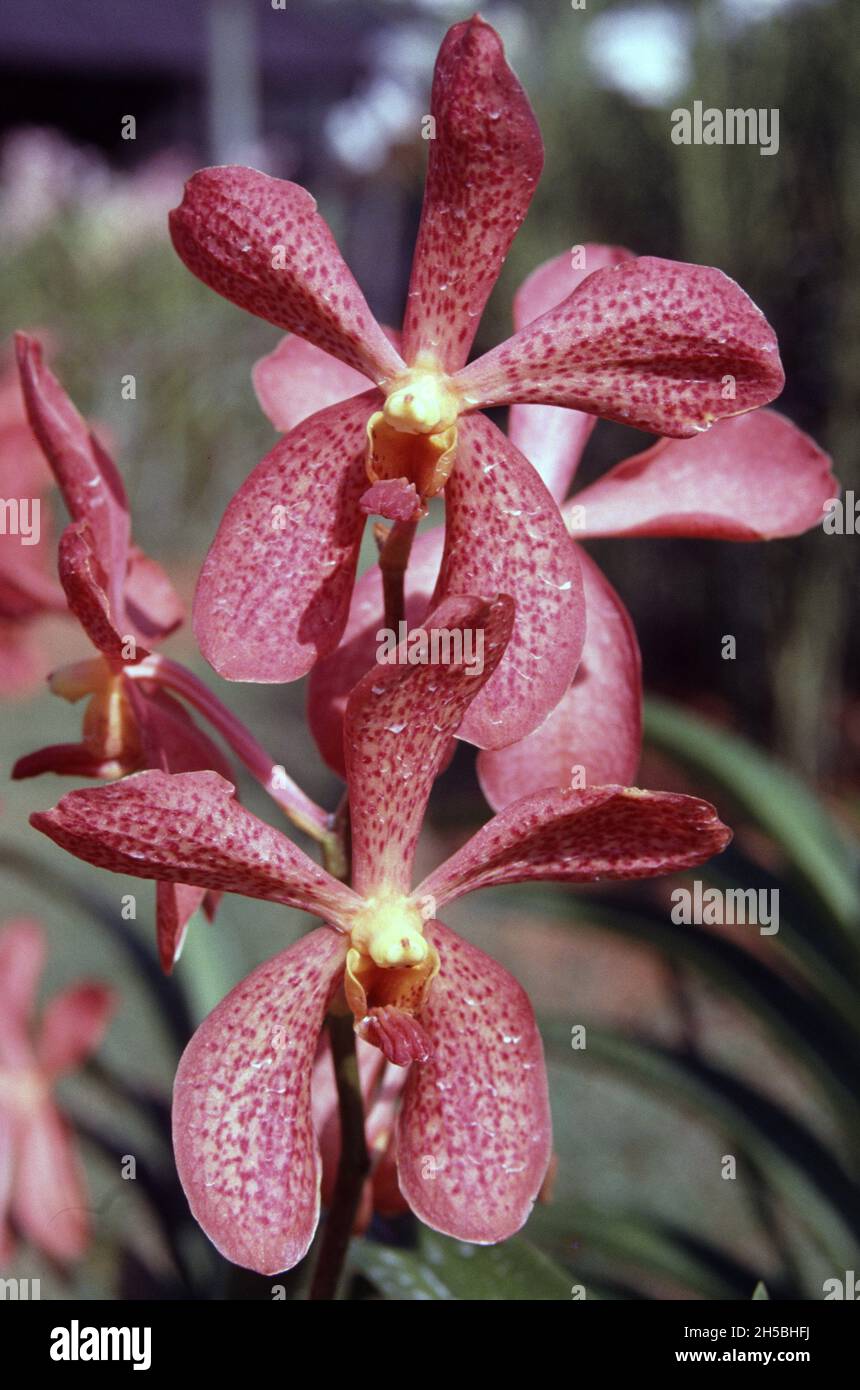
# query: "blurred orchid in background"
43,1194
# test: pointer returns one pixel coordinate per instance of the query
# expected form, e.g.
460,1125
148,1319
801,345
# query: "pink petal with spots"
399,721
188,828
244,1139
91,486
261,243
334,677
753,478
296,380
484,163
22,959
273,594
49,1198
474,1134
495,497
73,1024
656,344
581,837
594,734
85,585
154,607
552,438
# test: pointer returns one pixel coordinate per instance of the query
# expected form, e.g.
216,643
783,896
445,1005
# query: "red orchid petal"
399,720
66,760
73,1024
484,162
49,1199
751,478
175,905
171,740
581,837
657,344
22,959
22,664
187,827
595,730
394,498
154,607
495,497
26,587
85,585
243,1134
273,595
91,485
296,380
553,439
334,677
261,243
474,1135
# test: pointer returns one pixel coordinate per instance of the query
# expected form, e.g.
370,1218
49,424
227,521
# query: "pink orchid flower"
648,342
27,589
124,601
753,477
473,1134
42,1186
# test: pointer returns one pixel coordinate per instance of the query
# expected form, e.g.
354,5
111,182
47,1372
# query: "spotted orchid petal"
91,486
474,1135
260,242
553,439
243,1134
485,158
188,828
755,477
656,344
399,721
594,734
296,380
273,594
332,679
73,1024
495,493
49,1196
86,585
580,837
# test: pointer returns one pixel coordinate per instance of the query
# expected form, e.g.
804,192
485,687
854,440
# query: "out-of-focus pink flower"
473,1128
648,342
43,1192
28,590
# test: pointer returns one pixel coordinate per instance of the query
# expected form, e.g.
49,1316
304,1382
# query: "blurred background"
702,1042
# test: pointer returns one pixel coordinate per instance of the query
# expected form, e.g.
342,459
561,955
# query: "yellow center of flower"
390,965
414,435
390,931
110,728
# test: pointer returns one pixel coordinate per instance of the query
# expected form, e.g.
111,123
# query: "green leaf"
818,847
760,1292
447,1269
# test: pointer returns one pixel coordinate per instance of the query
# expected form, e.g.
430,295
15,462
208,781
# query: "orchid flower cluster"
377,424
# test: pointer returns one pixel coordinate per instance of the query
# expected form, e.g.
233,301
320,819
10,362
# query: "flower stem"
296,804
393,559
354,1164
